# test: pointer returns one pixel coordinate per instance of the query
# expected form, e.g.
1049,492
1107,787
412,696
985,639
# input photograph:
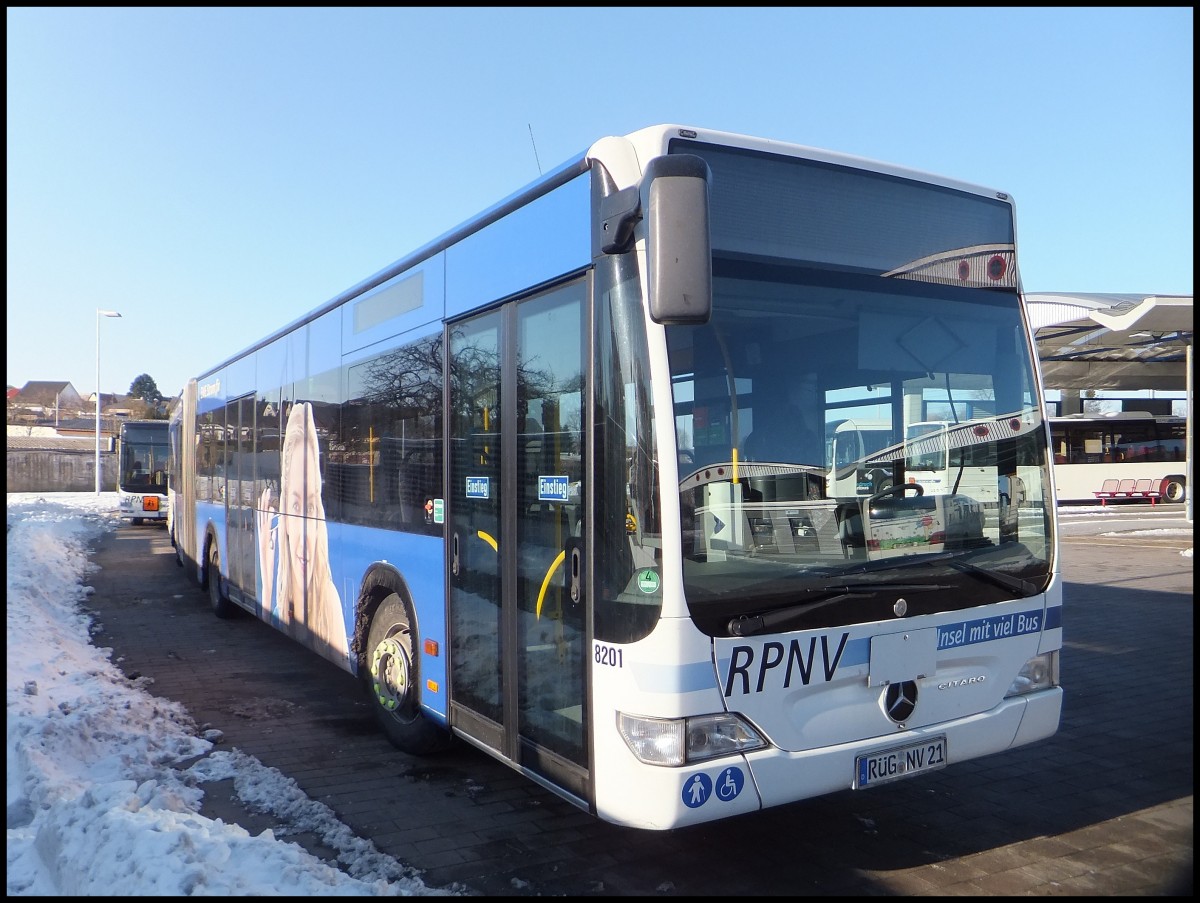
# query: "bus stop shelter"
1118,342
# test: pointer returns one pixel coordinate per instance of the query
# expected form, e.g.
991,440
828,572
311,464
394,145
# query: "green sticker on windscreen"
648,581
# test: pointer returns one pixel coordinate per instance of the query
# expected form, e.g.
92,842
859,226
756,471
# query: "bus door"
515,518
239,494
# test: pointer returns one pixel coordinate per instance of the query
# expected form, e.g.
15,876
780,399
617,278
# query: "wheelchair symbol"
730,784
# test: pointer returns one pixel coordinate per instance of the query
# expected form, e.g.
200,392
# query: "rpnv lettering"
744,672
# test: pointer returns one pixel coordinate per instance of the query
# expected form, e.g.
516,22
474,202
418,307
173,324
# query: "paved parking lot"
1102,808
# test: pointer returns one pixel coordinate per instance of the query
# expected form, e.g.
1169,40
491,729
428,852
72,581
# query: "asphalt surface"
1102,808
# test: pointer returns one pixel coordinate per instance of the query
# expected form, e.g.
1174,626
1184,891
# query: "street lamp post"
99,314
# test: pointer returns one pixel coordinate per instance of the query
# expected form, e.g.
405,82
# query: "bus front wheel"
391,682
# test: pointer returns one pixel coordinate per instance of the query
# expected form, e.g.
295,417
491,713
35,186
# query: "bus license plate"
899,762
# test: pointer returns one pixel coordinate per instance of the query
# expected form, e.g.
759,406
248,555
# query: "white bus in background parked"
948,458
1125,445
943,458
855,442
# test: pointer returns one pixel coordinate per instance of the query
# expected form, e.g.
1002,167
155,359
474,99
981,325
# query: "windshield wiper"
996,578
750,625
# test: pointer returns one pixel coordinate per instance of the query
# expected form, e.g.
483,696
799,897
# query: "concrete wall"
32,470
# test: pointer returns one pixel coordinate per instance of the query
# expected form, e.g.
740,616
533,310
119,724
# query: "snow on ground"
104,779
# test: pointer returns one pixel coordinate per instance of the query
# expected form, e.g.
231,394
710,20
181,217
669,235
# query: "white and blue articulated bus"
559,484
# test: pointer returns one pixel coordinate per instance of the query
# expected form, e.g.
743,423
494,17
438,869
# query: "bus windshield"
801,512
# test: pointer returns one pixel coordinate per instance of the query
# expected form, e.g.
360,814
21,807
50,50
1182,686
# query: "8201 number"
608,655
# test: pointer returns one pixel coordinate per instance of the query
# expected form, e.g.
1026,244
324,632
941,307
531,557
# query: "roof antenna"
535,153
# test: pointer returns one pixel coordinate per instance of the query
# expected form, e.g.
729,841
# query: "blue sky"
215,173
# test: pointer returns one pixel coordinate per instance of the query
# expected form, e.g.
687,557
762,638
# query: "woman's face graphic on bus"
299,502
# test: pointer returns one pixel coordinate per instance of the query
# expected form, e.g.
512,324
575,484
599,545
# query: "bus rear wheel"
1173,489
391,682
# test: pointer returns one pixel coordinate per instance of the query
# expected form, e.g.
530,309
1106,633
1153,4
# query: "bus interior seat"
851,532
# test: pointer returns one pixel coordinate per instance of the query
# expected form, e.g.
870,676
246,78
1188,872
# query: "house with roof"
51,437
44,397
38,391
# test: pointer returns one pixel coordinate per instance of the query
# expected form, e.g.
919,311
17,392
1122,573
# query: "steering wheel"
898,489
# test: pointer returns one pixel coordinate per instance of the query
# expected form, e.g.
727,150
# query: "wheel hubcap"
389,674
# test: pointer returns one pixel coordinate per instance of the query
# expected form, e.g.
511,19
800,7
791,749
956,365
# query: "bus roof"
647,143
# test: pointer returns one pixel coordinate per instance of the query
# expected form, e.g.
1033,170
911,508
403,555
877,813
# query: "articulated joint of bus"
674,742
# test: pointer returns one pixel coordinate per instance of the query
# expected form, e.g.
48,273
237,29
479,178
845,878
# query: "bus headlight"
679,741
1039,673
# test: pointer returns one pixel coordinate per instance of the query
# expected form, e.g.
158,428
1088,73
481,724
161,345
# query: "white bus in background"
942,458
1126,445
948,458
932,462
856,445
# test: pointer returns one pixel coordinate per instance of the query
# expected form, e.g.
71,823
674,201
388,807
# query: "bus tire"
1173,489
220,603
391,680
137,521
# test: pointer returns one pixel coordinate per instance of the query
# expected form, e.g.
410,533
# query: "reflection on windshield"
832,425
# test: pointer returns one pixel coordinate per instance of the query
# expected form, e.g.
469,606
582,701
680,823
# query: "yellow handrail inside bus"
546,583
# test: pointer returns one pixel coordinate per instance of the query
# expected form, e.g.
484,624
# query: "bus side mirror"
678,245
